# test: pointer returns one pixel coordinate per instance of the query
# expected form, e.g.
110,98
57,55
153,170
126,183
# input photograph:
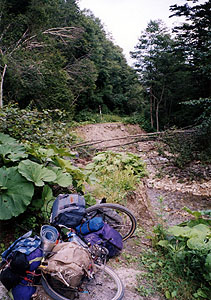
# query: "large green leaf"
6,139
180,231
12,152
199,243
15,193
63,179
35,172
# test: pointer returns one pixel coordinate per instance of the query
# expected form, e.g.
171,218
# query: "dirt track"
176,194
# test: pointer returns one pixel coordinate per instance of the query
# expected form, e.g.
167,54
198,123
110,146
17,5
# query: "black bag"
13,274
68,210
9,279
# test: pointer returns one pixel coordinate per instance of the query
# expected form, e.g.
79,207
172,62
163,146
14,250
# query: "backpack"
69,264
23,257
18,276
107,237
68,210
25,289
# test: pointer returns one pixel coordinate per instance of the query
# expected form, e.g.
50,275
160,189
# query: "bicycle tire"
98,209
118,294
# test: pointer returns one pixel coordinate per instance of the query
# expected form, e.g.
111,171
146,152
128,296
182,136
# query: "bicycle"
121,219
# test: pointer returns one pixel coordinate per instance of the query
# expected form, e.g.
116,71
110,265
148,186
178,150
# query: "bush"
188,245
46,127
91,117
139,119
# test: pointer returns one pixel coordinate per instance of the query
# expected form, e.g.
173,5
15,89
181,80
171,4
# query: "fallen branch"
144,137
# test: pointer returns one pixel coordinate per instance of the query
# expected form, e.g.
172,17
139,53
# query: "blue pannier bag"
89,226
24,257
25,289
107,237
68,210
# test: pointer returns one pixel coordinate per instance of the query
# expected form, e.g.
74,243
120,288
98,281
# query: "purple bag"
107,237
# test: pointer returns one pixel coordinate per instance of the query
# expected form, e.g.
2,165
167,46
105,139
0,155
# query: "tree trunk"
157,115
151,108
157,108
1,85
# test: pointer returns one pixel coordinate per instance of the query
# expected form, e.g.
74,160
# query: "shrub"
188,245
46,127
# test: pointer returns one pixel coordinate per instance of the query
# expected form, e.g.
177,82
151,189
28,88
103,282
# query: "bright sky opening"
125,19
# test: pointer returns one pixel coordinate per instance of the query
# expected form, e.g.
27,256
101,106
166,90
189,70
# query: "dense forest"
58,68
53,55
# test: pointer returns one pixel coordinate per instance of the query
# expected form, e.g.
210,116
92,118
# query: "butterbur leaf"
163,243
35,172
15,193
62,178
47,193
12,152
6,139
199,243
180,231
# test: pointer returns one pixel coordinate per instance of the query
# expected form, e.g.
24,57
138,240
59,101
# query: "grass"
158,275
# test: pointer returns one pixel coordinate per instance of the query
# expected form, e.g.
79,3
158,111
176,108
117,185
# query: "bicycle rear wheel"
117,216
105,286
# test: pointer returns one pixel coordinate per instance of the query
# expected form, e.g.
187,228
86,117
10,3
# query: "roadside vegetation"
58,70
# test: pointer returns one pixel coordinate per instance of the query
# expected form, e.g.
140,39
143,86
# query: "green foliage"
188,246
59,57
158,274
108,161
89,117
46,127
34,175
181,146
203,126
193,40
194,144
15,193
115,174
140,119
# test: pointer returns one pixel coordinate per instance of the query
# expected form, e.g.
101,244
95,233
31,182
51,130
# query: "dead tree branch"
135,139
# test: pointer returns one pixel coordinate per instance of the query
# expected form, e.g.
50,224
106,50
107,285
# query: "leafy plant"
158,274
46,127
29,175
188,245
116,174
15,193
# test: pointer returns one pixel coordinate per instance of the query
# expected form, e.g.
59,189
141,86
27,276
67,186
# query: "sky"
125,19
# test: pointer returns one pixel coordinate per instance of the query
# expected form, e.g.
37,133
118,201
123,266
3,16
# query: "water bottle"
72,237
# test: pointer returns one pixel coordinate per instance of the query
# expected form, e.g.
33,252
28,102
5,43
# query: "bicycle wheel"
105,285
117,216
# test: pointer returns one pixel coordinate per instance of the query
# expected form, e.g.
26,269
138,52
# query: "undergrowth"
30,125
159,275
116,174
179,263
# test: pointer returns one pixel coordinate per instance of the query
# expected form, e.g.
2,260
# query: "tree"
155,66
24,47
193,40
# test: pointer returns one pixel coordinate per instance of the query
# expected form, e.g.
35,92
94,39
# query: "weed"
2,247
159,275
129,258
116,173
